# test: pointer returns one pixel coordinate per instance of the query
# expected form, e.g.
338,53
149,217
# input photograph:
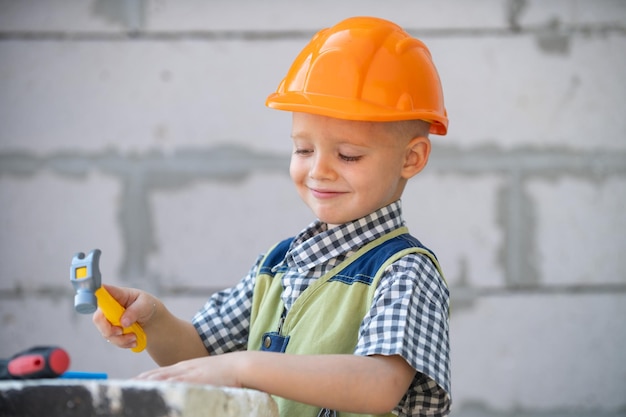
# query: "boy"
350,315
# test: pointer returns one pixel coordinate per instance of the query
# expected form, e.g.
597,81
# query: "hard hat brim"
351,109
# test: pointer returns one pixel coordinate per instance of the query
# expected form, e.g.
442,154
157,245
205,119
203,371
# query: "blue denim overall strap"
273,341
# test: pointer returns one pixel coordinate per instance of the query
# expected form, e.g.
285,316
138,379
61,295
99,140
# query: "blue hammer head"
86,279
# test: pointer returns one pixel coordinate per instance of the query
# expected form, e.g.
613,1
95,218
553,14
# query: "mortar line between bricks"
513,246
542,289
456,292
219,162
287,34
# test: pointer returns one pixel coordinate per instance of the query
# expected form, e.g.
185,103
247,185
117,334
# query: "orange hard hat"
364,68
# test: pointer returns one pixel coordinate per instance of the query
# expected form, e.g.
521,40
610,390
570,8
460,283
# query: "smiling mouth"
324,193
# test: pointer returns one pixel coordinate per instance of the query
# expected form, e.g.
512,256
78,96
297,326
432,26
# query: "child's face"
344,170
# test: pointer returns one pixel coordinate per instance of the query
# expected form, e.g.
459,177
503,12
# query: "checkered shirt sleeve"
409,317
224,322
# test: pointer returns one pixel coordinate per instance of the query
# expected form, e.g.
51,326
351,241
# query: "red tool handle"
39,362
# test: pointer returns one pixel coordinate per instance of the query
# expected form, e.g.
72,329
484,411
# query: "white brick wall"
156,147
579,231
510,91
46,215
540,352
230,227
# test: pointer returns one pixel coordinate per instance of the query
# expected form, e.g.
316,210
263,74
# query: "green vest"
326,317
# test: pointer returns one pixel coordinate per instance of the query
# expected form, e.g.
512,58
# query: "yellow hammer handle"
113,312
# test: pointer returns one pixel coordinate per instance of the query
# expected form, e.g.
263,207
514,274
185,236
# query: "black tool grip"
34,363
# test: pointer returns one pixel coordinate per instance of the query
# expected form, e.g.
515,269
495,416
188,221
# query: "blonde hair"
408,129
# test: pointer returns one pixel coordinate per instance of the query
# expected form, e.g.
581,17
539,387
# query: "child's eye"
349,158
302,151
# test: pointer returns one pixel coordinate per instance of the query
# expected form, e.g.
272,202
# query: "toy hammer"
90,294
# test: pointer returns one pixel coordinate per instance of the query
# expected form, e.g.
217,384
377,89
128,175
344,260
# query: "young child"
350,316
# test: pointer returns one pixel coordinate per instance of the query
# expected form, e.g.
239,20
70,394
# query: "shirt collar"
316,244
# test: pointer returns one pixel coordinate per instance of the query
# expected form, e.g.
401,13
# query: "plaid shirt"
408,317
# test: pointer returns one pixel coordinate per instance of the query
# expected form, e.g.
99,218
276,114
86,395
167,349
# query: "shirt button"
267,342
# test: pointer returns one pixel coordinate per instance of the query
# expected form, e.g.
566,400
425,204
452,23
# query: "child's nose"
321,168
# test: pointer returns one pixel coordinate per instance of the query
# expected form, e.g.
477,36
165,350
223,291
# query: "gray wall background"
139,127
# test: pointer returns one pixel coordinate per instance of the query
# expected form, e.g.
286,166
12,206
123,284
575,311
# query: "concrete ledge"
116,398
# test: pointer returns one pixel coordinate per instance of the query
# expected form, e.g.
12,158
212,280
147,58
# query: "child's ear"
416,158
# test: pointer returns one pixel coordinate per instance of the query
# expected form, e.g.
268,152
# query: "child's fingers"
113,334
106,329
124,296
126,341
140,311
139,306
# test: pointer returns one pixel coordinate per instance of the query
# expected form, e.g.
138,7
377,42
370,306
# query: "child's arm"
359,384
169,339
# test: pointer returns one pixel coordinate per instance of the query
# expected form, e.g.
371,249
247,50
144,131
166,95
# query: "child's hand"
140,307
219,370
